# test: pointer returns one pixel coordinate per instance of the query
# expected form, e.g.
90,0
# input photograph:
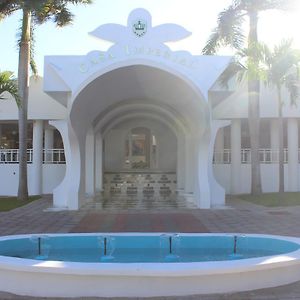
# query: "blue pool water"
129,249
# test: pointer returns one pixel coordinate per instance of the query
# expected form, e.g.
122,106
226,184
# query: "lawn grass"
9,203
274,199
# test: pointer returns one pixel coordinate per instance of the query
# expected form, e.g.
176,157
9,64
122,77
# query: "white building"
142,119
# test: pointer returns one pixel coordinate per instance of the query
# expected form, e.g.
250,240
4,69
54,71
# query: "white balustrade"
54,156
11,156
222,157
57,156
267,156
50,156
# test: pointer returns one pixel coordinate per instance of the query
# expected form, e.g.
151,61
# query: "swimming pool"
145,264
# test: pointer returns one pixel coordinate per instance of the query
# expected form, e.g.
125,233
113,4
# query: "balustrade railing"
267,156
50,156
54,156
57,156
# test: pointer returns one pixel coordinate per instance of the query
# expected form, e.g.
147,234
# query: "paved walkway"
239,216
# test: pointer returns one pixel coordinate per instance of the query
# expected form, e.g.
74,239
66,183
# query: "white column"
48,142
37,159
235,156
180,163
0,134
190,158
69,193
202,191
49,138
292,127
90,163
99,163
274,137
219,146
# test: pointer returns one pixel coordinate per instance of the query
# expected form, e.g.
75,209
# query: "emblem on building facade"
139,27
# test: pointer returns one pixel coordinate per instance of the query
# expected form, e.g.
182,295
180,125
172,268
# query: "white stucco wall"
236,105
269,177
40,105
52,176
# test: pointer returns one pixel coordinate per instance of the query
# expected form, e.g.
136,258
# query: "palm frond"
234,69
9,84
293,86
63,16
282,68
228,31
56,10
7,7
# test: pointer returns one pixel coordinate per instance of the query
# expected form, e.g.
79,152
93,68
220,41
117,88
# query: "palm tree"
280,69
229,32
33,13
277,68
8,84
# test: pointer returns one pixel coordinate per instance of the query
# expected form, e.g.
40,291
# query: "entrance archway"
155,92
137,75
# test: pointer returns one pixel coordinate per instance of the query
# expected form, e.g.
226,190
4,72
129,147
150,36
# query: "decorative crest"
139,27
139,24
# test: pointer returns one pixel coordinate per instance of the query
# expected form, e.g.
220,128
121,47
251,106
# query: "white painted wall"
40,105
269,177
54,173
236,105
52,176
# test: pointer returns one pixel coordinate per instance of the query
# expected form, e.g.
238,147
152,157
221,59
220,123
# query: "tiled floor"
140,222
138,202
238,217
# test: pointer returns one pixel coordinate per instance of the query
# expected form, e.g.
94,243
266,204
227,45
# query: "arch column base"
66,195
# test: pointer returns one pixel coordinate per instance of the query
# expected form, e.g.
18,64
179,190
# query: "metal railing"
57,156
267,156
11,156
50,156
54,156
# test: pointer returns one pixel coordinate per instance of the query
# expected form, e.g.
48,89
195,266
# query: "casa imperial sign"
138,42
128,50
138,38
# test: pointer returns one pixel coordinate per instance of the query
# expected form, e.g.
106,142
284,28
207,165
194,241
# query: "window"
9,135
140,149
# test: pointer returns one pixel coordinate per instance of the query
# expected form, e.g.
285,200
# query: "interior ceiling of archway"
146,116
135,108
143,122
138,82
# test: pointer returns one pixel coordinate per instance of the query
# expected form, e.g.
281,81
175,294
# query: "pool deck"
238,216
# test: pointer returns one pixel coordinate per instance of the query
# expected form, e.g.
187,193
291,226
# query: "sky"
197,16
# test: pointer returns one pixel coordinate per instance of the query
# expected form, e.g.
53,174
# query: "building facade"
141,118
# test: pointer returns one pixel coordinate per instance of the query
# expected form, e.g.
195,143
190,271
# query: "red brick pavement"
121,222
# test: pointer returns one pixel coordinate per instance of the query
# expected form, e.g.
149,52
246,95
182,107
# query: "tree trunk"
253,112
281,149
23,83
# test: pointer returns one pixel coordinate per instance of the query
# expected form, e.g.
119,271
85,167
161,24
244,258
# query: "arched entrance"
138,101
141,83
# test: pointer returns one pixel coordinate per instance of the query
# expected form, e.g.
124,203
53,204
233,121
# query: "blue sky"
197,16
